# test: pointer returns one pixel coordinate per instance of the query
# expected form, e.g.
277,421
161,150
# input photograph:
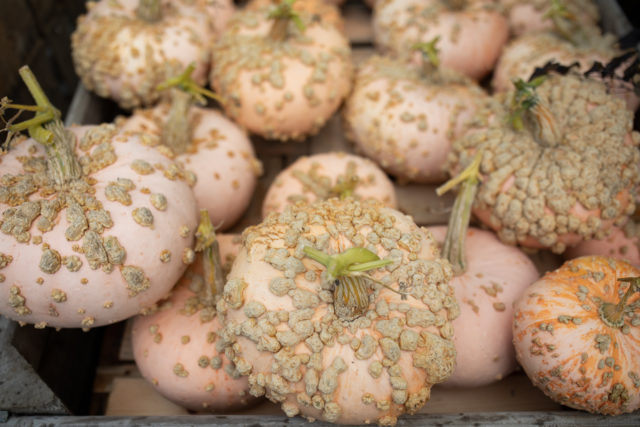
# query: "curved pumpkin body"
486,292
569,175
312,178
285,328
104,248
174,347
218,152
565,346
122,57
471,38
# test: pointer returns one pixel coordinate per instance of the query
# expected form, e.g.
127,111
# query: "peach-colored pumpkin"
278,81
314,177
97,250
123,57
496,275
568,345
405,118
283,330
471,37
218,152
175,347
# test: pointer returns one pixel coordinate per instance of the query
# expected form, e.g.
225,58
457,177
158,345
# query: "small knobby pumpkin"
96,226
174,347
577,334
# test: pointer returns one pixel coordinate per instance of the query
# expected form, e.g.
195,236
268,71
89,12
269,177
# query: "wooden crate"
120,396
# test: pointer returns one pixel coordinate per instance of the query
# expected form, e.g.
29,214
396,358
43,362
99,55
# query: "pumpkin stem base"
613,314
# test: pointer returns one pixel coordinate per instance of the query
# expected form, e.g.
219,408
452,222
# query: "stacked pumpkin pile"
337,306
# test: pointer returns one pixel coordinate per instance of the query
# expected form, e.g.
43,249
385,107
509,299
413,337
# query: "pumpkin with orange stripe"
577,335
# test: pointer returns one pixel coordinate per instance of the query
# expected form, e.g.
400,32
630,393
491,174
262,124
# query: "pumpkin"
522,56
559,162
472,32
340,310
488,277
282,73
577,335
204,141
97,226
320,10
123,49
528,16
621,243
405,117
174,347
325,175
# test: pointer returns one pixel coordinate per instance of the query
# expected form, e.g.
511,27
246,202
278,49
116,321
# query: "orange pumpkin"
577,335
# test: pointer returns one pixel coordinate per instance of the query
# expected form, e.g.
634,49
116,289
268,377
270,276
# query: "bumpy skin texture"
281,89
622,243
527,16
522,56
113,245
282,331
321,10
311,178
567,350
554,192
219,153
174,347
470,39
486,292
406,119
124,58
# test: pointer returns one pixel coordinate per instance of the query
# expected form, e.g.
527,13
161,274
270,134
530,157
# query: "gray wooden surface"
564,418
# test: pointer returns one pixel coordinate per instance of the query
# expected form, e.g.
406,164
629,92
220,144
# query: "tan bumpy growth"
568,174
340,311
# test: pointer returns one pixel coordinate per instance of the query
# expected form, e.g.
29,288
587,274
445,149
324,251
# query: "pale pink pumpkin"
405,118
305,345
325,175
215,149
621,243
98,248
175,347
122,54
527,16
320,10
496,275
471,32
280,81
577,335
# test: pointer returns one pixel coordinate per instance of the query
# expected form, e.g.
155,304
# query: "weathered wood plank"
479,419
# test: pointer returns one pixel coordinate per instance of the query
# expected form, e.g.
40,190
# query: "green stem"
454,243
207,243
527,111
350,261
176,132
564,24
185,82
457,4
346,185
430,54
149,10
613,314
282,15
47,129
